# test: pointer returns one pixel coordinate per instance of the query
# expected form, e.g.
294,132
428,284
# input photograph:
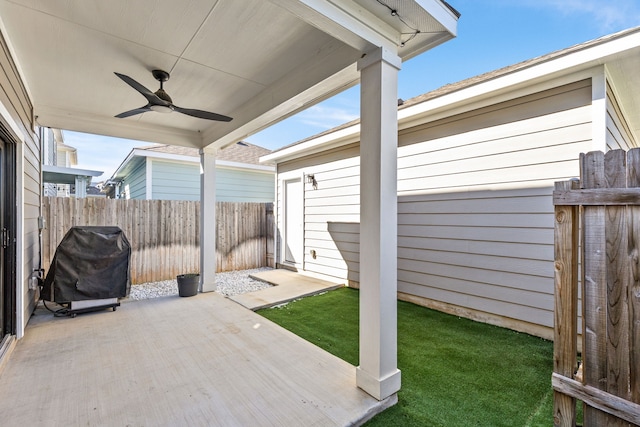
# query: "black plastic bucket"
188,284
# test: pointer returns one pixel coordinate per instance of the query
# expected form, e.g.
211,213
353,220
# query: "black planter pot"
188,284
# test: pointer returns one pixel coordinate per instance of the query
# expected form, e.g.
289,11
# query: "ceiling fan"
161,102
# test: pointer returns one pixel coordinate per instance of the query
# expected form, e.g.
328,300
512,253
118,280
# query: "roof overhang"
62,175
616,56
137,155
254,60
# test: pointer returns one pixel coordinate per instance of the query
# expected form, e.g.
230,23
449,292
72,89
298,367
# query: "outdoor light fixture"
311,179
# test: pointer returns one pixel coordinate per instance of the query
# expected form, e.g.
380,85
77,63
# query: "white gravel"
228,283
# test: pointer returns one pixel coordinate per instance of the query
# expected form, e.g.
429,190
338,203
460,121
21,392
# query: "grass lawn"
455,372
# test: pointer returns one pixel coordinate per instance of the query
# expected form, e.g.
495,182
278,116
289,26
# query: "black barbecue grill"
90,269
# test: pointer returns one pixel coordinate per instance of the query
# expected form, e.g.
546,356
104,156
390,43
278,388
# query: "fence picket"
595,279
617,268
164,234
566,304
611,292
633,293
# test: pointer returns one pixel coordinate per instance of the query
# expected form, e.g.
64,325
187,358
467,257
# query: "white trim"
617,90
382,54
554,67
344,21
276,252
599,111
441,13
324,142
4,113
295,177
377,372
136,152
248,166
71,171
281,178
149,179
158,155
208,256
21,322
444,111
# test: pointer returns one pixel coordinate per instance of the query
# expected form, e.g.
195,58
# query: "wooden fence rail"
165,234
605,206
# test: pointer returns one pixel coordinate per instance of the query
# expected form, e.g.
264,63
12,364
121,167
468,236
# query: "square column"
378,374
207,220
81,186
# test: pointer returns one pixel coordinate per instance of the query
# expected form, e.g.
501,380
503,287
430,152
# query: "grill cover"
90,263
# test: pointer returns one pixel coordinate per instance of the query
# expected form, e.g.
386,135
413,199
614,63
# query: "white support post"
599,110
378,373
81,187
207,220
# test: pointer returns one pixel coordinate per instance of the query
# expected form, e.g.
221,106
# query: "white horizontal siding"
330,208
497,306
475,212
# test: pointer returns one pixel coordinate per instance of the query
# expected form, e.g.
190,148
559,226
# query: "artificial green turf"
455,372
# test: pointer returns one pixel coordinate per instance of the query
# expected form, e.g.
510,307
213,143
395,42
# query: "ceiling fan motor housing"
161,102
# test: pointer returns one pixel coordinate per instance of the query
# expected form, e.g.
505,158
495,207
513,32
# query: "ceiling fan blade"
134,112
151,97
202,114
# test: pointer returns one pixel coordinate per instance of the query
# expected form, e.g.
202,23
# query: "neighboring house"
168,172
477,161
60,178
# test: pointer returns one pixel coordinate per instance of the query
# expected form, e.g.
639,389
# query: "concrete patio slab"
288,286
171,361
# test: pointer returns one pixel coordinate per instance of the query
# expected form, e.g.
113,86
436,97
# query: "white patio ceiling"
257,61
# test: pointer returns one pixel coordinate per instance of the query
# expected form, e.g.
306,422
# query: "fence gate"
604,207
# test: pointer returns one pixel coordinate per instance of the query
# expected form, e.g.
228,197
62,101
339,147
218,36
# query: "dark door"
3,296
7,237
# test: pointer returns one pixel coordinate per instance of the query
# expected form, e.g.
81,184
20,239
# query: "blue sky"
491,34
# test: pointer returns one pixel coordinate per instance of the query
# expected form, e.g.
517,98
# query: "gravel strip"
228,283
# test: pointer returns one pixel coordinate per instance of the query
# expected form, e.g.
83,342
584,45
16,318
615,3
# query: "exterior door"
3,295
7,238
293,222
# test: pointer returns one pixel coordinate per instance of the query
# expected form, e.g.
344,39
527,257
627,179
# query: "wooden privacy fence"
605,207
165,234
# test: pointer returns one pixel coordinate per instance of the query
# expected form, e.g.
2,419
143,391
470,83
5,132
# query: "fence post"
270,231
565,347
633,181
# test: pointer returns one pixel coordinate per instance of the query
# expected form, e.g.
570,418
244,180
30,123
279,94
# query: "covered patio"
174,361
256,62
